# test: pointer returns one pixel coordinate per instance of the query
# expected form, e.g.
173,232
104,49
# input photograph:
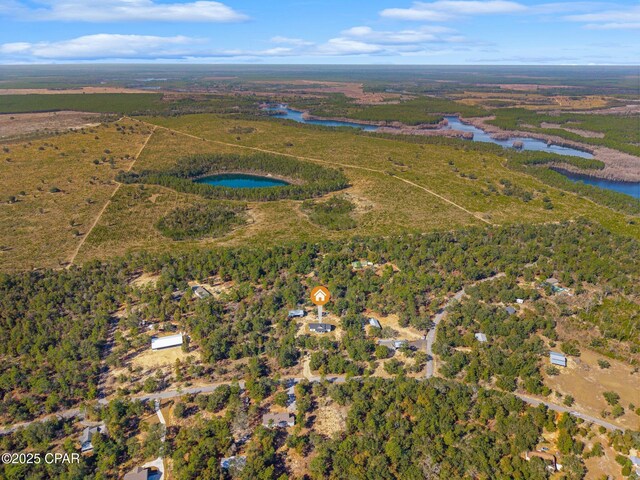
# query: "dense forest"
56,365
307,179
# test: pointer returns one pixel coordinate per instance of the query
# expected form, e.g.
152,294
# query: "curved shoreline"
619,166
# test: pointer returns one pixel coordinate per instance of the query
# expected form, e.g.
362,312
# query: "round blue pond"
241,180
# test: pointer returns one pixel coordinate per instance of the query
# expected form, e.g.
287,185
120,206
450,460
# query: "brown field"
36,230
330,419
166,357
586,381
16,124
53,91
391,321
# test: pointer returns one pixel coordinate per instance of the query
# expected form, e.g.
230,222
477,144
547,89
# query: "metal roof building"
297,313
374,323
169,341
558,359
481,337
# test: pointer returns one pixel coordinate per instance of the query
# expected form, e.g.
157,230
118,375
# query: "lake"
296,116
628,188
241,180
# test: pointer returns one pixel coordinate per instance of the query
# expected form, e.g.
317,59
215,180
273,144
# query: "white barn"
158,343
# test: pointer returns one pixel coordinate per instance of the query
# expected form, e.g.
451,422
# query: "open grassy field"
396,186
54,188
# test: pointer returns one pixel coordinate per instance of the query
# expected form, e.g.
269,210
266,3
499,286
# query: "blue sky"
320,31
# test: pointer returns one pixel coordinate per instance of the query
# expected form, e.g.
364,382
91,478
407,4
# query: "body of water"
240,180
296,116
628,188
479,135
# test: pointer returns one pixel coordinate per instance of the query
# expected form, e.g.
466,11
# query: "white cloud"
130,10
619,19
425,34
103,46
447,9
290,41
346,46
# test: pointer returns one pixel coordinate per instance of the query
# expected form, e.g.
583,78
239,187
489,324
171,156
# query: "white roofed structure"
158,343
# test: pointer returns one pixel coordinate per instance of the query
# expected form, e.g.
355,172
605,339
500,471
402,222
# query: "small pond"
241,180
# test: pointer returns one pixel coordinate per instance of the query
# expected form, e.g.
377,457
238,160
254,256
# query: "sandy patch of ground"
160,358
348,89
15,124
330,419
146,279
577,131
586,382
54,91
404,333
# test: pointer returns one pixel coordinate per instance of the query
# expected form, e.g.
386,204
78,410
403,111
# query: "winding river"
479,135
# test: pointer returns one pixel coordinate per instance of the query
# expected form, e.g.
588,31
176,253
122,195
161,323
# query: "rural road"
431,336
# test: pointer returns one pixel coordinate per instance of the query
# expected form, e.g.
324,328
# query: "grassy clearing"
56,189
374,167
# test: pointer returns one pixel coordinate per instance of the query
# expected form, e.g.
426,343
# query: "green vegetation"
334,214
620,132
311,180
421,110
201,220
127,103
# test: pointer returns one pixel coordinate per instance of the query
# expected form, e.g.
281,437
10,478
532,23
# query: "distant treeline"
422,110
313,179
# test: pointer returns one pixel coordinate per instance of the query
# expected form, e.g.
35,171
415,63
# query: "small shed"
321,327
519,301
510,310
296,313
558,359
200,292
158,343
374,323
278,420
481,337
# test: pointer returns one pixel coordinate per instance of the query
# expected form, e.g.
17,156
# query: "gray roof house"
510,310
321,327
296,313
200,292
393,344
274,420
558,359
374,323
481,337
138,473
87,434
237,462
